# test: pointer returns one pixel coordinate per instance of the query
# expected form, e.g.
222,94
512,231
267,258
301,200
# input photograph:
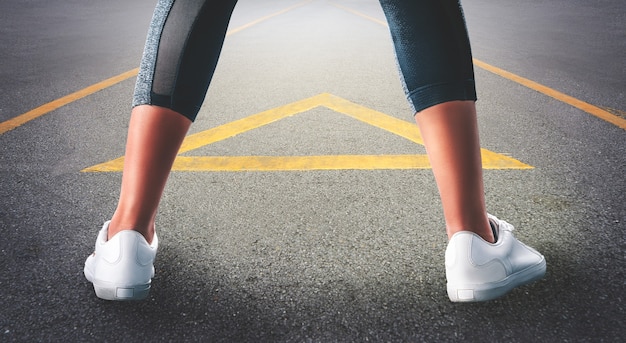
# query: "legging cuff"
187,109
435,94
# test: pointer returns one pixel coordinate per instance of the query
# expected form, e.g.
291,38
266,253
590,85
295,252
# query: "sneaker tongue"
495,230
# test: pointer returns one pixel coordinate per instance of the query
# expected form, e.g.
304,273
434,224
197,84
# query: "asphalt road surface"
288,231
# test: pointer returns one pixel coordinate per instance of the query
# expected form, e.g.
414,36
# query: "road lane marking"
53,105
360,14
269,16
283,163
581,105
410,131
58,103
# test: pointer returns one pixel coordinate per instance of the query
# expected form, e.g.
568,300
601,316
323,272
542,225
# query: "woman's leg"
154,137
180,56
181,53
450,134
483,260
434,57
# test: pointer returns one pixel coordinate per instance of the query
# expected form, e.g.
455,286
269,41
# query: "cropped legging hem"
431,95
189,109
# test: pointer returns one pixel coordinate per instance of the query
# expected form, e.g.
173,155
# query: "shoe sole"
493,290
108,291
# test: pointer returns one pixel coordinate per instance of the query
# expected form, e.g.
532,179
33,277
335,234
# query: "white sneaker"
479,271
121,268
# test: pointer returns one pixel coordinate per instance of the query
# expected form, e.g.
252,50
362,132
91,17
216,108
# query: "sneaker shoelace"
505,226
497,225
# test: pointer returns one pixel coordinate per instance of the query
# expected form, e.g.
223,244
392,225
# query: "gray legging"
186,36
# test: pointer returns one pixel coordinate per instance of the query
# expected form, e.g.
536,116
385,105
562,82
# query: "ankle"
147,231
483,230
489,237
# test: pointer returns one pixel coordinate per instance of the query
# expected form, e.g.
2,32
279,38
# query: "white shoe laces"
502,225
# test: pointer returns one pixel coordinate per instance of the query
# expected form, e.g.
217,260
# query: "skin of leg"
450,133
154,136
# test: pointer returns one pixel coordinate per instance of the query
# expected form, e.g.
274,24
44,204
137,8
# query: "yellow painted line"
225,131
56,104
295,163
262,19
363,15
581,105
53,105
381,120
410,131
335,162
492,160
116,165
234,128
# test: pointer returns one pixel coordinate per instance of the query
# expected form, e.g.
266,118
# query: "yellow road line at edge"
53,105
581,105
56,104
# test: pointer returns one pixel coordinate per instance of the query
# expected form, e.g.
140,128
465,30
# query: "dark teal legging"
186,36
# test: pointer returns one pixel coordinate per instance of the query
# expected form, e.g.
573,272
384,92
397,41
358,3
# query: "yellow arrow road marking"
377,119
249,123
